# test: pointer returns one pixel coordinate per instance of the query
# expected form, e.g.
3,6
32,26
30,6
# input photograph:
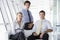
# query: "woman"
18,28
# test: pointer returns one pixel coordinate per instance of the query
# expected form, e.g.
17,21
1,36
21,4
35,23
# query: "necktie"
39,28
29,16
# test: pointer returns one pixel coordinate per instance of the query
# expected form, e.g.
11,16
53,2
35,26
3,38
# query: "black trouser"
18,36
32,37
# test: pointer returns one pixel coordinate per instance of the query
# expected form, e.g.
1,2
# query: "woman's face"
19,17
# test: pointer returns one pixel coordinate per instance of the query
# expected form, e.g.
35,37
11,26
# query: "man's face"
19,17
27,5
42,15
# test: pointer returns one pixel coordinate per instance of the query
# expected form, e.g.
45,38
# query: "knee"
46,36
30,37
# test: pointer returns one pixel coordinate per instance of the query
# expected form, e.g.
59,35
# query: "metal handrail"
5,24
9,10
6,12
13,6
3,18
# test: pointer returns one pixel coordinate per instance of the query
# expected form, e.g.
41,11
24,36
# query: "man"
27,16
41,28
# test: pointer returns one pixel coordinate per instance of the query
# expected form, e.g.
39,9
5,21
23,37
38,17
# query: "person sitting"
18,28
41,28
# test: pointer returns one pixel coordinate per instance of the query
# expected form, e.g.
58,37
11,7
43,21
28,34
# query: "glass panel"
59,12
54,19
1,20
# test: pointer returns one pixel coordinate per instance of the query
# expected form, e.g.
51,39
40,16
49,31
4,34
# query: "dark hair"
19,13
42,11
27,2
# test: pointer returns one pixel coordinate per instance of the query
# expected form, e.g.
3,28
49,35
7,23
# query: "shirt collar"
42,20
25,9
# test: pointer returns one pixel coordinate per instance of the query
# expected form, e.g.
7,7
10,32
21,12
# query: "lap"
18,36
38,37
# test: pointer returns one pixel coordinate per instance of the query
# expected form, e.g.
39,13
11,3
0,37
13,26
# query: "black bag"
26,26
18,36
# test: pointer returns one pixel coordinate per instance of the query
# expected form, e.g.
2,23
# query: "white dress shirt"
45,25
18,28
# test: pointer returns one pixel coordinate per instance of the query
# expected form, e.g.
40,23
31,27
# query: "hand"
41,36
30,25
34,34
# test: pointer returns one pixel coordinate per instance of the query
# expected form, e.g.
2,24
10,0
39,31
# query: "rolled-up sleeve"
49,25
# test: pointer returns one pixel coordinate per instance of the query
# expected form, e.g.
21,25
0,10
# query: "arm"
49,29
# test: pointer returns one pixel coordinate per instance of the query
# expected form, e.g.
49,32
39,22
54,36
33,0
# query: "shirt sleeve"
49,25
